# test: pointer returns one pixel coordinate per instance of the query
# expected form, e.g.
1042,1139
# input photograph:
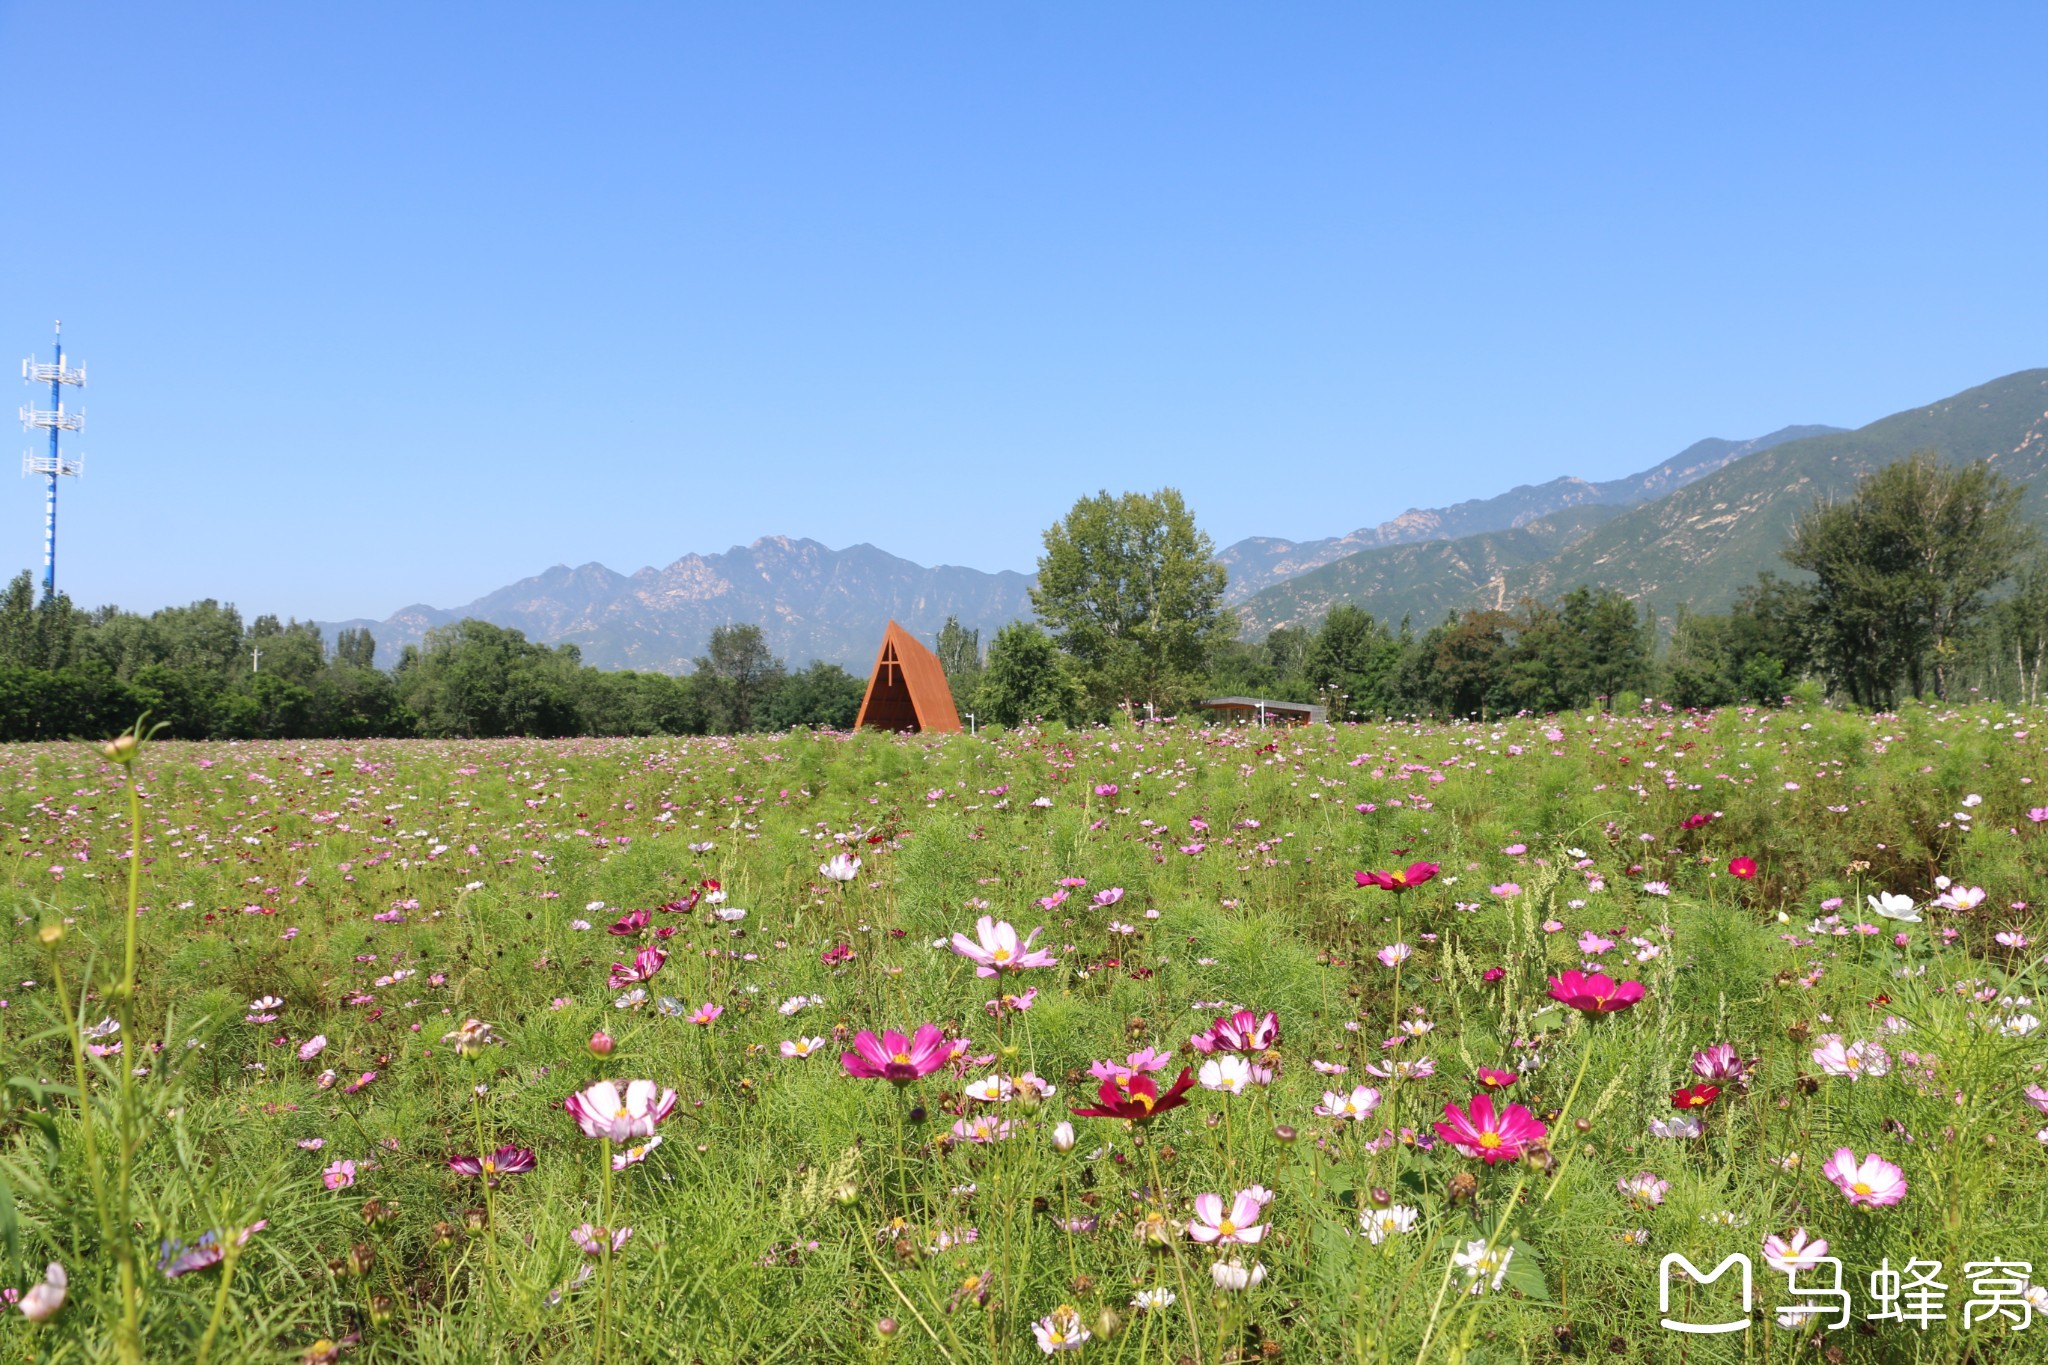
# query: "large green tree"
1129,588
1903,569
737,674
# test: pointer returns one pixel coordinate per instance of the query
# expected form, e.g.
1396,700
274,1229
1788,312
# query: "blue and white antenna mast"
54,465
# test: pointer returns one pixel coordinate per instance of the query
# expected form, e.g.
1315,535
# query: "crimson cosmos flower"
1478,1130
1595,992
1415,874
1744,868
1138,1099
1494,1079
1695,1096
897,1059
507,1160
1697,821
630,923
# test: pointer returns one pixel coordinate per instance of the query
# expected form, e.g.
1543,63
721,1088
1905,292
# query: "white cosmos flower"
1894,907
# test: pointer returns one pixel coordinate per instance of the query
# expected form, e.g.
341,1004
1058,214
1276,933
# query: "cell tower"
53,466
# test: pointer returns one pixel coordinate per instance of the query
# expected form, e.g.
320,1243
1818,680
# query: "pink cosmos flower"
1356,1106
312,1047
1134,1064
1494,1078
1597,993
998,948
646,963
1858,1059
1240,1225
339,1176
507,1160
1394,954
1480,1131
1103,899
2038,1097
1506,890
1592,945
1644,1188
1243,1031
592,1239
1721,1062
1872,1182
897,1059
603,1111
706,1014
1793,1253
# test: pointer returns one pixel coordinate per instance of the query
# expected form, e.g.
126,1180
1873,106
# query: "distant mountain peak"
1259,562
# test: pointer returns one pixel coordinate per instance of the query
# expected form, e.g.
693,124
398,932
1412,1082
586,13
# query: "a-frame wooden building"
908,688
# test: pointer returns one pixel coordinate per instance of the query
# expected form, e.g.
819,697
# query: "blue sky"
397,304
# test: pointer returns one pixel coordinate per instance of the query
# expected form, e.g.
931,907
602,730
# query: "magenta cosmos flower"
897,1059
1594,993
646,963
1479,1130
1242,1031
507,1160
999,949
1872,1182
604,1111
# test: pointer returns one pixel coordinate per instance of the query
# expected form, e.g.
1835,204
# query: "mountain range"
1689,530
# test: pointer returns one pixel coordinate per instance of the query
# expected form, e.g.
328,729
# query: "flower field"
1375,1043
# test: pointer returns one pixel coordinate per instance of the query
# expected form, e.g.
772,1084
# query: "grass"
386,892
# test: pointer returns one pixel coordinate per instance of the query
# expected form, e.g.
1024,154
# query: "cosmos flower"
801,1047
507,1160
1695,1097
339,1176
1478,1263
1144,1060
1493,1078
1394,954
1872,1182
1138,1099
1858,1059
312,1047
1402,879
840,867
472,1038
706,1014
897,1059
1596,993
40,1302
593,1240
996,948
1237,1225
1894,907
602,1110
634,1155
1232,1277
1392,1221
1745,868
1721,1062
175,1259
1643,1188
1061,1329
1229,1073
1356,1106
1243,1031
1480,1131
1794,1253
646,963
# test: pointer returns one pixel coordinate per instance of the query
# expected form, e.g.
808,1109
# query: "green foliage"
1027,679
1129,588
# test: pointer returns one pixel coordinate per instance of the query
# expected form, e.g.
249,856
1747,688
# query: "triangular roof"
907,690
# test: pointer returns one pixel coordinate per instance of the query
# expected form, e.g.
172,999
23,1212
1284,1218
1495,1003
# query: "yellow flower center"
1860,1188
624,1113
1142,1098
1001,954
1225,1228
1489,1140
901,1059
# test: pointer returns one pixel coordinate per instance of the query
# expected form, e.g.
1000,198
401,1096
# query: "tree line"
1926,581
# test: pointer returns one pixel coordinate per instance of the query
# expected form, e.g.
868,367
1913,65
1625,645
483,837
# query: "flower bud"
1380,1198
847,1195
601,1044
887,1328
1583,1125
1284,1131
1063,1136
120,749
1108,1323
50,934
